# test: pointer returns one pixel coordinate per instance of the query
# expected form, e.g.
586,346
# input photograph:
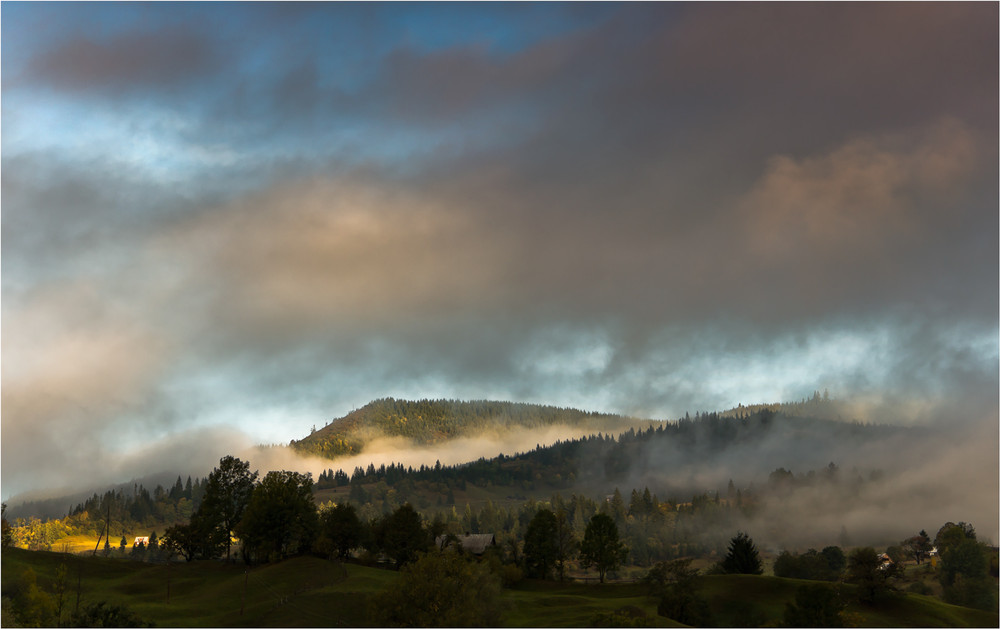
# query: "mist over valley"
294,285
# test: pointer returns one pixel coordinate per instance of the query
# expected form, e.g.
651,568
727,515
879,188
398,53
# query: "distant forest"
432,421
641,477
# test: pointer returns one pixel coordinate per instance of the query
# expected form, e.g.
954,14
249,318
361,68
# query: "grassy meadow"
313,592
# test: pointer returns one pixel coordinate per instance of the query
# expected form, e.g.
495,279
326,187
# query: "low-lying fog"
927,475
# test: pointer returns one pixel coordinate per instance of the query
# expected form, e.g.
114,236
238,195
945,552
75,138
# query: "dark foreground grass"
312,592
305,591
739,600
547,604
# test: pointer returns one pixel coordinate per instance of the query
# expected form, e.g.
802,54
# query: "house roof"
475,543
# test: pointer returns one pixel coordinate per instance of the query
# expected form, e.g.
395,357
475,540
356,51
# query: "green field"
307,591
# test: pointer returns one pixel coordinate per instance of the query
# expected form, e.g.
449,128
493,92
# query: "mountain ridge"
428,422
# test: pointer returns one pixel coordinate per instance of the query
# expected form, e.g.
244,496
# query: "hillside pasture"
314,592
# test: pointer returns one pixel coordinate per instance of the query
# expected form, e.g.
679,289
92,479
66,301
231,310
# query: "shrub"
815,606
440,589
628,616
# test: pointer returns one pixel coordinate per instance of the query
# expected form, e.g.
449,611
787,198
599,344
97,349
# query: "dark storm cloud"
131,61
655,209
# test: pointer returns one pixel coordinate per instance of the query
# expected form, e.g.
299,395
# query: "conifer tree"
742,557
540,544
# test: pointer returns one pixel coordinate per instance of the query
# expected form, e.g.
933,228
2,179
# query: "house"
475,543
141,540
885,562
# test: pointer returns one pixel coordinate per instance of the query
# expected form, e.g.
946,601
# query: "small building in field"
141,540
474,543
885,562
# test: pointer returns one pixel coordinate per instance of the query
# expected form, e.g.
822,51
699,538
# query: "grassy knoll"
548,604
736,599
299,592
915,610
307,591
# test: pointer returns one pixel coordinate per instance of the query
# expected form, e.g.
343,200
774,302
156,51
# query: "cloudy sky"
225,223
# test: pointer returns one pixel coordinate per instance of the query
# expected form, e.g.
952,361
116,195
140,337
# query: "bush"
33,607
103,614
510,575
978,592
628,616
440,589
685,607
815,606
827,565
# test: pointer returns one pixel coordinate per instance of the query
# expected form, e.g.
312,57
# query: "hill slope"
428,422
312,592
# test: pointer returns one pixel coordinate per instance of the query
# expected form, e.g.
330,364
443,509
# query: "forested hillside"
671,492
433,421
716,473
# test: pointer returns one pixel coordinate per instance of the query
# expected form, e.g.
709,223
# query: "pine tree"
742,557
541,544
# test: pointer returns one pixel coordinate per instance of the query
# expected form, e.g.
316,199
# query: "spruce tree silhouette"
742,557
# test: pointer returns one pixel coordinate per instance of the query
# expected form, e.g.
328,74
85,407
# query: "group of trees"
550,542
825,565
432,421
111,515
675,583
597,457
274,518
968,567
967,573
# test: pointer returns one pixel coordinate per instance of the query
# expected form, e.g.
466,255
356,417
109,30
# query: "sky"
225,223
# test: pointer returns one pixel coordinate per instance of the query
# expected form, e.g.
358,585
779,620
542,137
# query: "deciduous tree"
952,534
601,547
675,583
965,577
340,529
403,535
182,539
919,546
566,544
227,494
866,570
280,520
